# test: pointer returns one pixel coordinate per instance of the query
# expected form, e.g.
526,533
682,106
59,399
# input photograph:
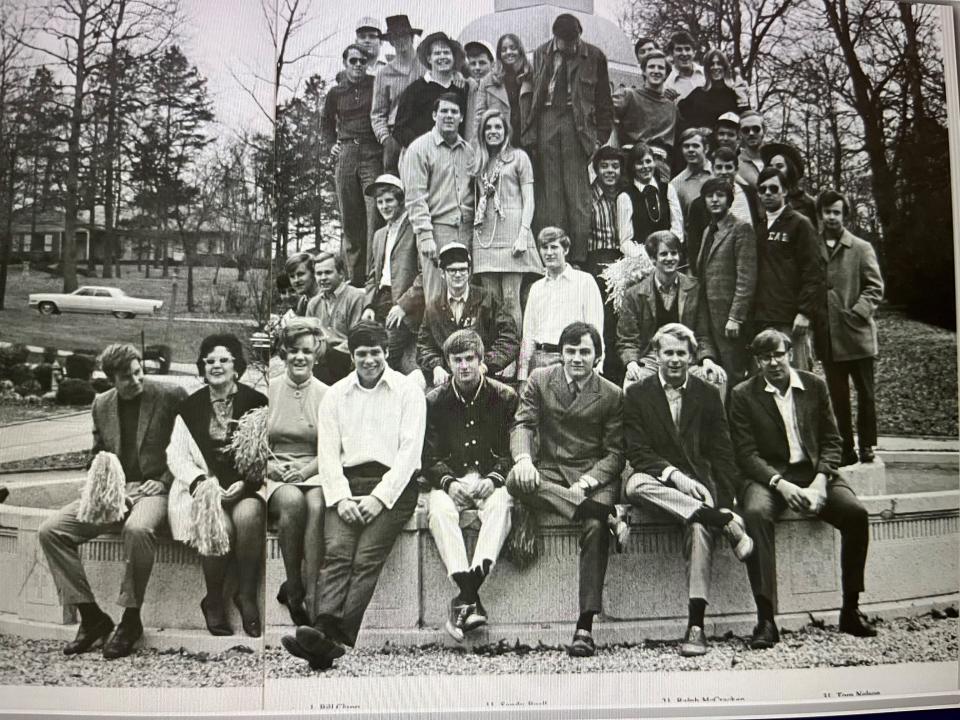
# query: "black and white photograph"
415,356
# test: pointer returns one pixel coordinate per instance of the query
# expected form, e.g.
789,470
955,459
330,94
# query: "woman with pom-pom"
204,471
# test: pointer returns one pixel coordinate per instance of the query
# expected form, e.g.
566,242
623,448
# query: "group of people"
466,344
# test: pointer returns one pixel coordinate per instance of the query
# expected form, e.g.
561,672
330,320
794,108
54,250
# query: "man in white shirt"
752,129
686,74
564,295
369,441
787,445
685,186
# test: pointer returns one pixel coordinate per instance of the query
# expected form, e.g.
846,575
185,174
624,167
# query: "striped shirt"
611,219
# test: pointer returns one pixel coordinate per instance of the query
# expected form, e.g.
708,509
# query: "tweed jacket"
483,313
566,436
854,290
492,94
589,85
699,447
760,437
406,281
698,219
638,320
158,410
728,273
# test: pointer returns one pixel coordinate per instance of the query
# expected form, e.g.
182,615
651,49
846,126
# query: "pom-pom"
623,274
523,546
249,446
208,521
103,498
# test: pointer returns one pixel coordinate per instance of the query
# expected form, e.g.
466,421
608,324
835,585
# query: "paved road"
46,437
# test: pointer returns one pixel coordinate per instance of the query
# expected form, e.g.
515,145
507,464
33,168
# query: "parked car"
94,299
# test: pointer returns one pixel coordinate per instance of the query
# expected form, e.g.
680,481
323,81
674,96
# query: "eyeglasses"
769,190
221,360
356,61
771,358
457,270
751,130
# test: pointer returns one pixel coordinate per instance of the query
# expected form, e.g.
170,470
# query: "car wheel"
47,308
123,315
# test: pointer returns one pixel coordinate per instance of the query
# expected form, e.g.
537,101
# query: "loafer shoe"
765,636
853,622
582,645
476,618
694,642
457,618
122,641
740,542
90,636
317,644
291,645
867,454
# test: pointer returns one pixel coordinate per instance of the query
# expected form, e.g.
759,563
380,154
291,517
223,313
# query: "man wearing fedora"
394,293
392,79
443,56
346,130
571,115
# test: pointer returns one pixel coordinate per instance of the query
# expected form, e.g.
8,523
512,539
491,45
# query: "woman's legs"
288,511
312,545
248,518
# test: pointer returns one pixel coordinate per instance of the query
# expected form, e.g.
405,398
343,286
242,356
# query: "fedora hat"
790,152
423,49
400,25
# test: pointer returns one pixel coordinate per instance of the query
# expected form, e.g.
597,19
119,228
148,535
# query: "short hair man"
786,442
301,271
133,420
440,202
466,458
647,114
567,443
461,306
347,132
338,306
752,129
479,63
571,115
392,79
847,332
790,282
678,444
727,269
562,296
370,439
685,185
394,291
687,73
643,46
726,132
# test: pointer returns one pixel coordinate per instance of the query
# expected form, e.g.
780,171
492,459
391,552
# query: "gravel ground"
928,638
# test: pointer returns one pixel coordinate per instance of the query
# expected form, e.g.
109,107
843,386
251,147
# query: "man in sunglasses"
786,442
751,132
347,132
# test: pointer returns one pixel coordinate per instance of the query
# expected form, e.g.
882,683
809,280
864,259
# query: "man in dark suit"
133,421
786,442
571,115
678,445
394,290
461,305
567,444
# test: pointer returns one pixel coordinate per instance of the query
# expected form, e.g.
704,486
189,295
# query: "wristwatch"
774,481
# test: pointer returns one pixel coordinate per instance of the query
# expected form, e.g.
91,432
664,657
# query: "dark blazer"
196,411
789,270
449,450
638,319
698,219
589,84
700,448
406,282
760,437
569,437
158,409
482,313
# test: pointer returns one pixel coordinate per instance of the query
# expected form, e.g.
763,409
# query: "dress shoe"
620,527
249,615
867,454
122,641
215,619
4,493
316,644
291,645
848,457
89,636
476,618
694,642
740,542
298,613
852,622
765,635
582,645
457,617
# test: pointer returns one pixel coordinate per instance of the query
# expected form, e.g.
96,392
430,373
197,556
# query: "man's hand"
458,491
634,372
796,498
459,80
368,314
349,512
527,476
428,248
713,372
232,494
395,316
689,486
801,323
732,329
369,508
149,488
440,376
670,94
817,493
335,150
483,489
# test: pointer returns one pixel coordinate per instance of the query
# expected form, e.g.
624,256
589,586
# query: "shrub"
75,392
30,387
43,373
236,299
80,366
100,384
20,373
10,356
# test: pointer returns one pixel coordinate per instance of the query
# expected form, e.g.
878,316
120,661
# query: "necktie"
574,390
560,90
708,240
651,198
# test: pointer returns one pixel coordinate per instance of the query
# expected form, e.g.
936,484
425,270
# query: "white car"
94,299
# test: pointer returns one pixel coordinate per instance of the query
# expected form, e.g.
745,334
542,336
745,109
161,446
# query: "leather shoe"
852,622
291,645
582,645
694,642
4,493
215,619
765,635
736,532
848,457
316,643
619,524
867,454
122,641
249,615
457,617
88,637
476,618
298,613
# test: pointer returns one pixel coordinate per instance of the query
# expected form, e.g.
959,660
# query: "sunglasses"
769,189
356,61
751,130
